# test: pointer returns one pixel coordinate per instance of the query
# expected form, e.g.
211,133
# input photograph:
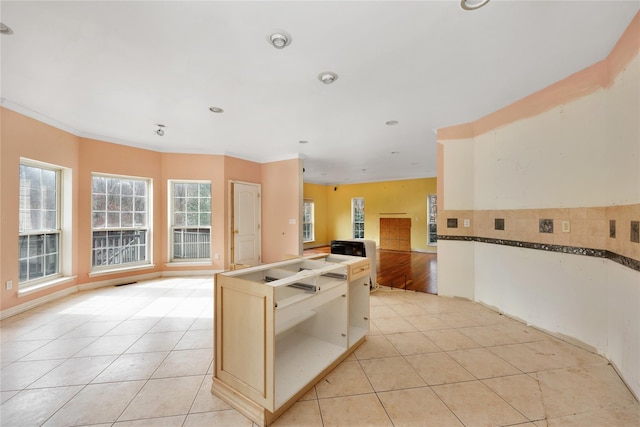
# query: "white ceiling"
112,70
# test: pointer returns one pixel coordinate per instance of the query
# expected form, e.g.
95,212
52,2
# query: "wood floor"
415,271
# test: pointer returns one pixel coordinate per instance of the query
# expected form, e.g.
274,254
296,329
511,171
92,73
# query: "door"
245,222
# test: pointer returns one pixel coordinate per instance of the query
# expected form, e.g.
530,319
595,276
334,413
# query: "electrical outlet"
566,226
9,284
216,256
467,223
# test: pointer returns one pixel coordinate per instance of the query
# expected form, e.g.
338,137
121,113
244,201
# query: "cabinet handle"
366,318
343,296
344,335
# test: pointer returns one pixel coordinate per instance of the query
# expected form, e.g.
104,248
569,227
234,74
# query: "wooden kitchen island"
279,328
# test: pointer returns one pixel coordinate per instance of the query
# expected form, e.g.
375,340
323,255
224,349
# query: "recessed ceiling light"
4,29
391,123
328,77
280,39
216,110
160,130
472,4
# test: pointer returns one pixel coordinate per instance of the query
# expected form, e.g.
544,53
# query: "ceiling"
113,70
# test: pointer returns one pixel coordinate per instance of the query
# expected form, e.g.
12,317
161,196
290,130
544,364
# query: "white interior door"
246,223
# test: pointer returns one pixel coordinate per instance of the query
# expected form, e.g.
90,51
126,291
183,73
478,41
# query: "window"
190,220
357,209
120,221
307,221
39,222
432,219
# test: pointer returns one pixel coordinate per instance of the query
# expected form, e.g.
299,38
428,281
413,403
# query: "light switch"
292,221
9,284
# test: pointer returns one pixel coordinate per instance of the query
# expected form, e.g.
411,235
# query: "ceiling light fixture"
472,4
160,130
391,123
328,77
4,29
216,110
280,39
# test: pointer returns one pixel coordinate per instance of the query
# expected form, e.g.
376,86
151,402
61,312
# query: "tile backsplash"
604,228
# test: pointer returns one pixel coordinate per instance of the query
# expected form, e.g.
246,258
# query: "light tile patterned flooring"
141,355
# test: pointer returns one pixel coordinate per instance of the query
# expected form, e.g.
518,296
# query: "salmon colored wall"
389,199
23,137
103,157
241,170
197,167
282,215
318,193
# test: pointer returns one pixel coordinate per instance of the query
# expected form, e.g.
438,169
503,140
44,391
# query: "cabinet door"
244,340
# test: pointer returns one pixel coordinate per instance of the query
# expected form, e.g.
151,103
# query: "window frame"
147,262
311,223
58,230
432,220
172,227
355,233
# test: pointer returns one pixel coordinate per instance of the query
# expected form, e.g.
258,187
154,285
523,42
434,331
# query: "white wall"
593,300
623,322
622,161
551,160
456,262
458,175
584,153
560,293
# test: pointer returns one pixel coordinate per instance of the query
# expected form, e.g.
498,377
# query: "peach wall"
24,137
282,187
103,157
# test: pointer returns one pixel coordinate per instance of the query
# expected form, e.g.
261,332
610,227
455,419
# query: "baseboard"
191,273
118,281
424,251
38,301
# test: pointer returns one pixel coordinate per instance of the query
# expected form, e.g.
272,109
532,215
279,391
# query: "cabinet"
280,327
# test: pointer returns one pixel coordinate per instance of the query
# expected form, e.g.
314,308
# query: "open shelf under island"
281,327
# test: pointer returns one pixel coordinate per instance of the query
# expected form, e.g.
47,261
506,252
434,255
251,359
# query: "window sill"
120,270
29,289
206,262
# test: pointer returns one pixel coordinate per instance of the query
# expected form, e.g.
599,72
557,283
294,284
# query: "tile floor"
141,355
